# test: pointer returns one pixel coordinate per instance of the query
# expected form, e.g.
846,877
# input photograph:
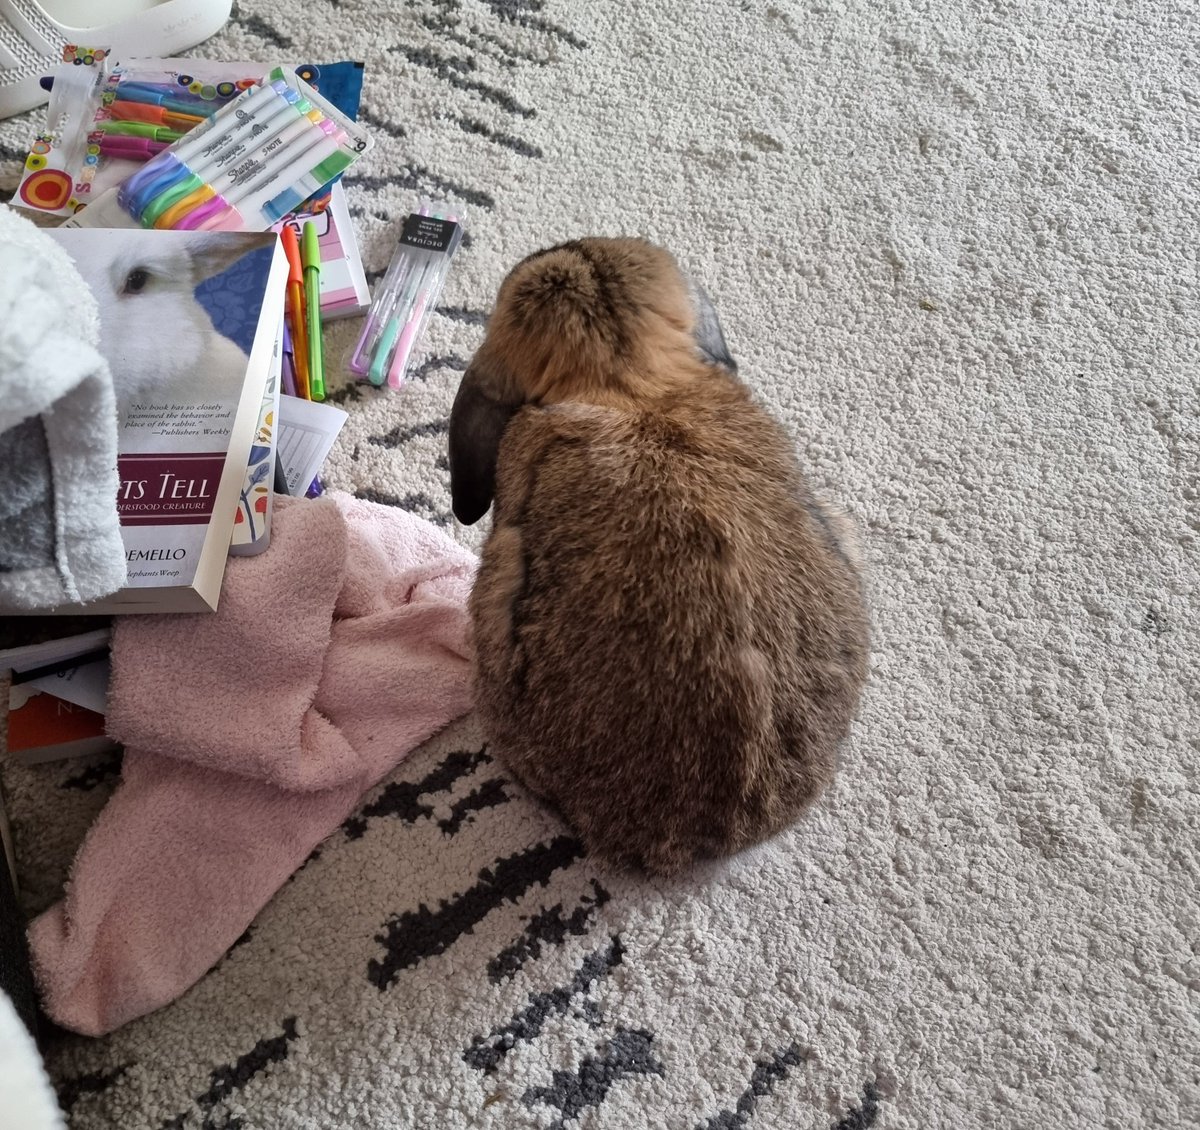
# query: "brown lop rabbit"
670,631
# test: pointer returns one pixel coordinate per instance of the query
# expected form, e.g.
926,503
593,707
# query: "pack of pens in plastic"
243,169
408,293
105,118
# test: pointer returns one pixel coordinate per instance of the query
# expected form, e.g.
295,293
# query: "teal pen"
391,329
175,105
171,95
387,342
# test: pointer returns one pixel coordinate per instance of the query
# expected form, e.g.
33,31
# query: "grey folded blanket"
60,538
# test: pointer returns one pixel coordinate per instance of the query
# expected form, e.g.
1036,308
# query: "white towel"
28,1099
60,537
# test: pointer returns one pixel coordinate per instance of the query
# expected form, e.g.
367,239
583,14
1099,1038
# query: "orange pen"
291,247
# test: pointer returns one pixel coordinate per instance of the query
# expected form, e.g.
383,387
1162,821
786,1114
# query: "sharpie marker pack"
243,169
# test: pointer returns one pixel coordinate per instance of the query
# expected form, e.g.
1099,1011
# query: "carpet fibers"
954,249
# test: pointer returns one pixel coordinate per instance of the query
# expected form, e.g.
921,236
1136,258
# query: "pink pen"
132,148
405,344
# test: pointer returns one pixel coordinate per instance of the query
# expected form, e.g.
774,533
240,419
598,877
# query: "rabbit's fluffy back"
670,633
670,643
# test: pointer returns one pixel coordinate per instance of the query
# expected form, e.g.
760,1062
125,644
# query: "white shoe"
31,39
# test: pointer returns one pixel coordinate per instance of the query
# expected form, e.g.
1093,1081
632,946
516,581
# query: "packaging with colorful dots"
104,120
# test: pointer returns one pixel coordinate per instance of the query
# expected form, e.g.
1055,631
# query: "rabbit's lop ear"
710,341
477,421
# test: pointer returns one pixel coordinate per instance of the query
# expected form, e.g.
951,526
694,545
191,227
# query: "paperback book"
189,324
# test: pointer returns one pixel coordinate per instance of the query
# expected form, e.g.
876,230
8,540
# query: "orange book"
44,728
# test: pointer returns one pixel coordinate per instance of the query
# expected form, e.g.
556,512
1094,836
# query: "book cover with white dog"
189,323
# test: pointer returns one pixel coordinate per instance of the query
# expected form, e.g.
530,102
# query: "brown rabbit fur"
671,636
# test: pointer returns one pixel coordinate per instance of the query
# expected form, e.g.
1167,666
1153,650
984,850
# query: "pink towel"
250,735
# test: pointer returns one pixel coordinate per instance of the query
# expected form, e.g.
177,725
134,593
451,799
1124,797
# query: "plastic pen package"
105,117
408,293
245,168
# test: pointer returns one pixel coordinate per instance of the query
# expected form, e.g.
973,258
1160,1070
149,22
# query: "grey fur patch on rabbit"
670,630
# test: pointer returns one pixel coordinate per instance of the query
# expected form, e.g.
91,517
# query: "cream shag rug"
954,247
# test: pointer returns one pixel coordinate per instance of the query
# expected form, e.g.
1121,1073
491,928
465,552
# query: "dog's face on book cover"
159,340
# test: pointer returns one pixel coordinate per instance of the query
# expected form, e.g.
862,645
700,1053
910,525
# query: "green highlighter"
310,259
140,129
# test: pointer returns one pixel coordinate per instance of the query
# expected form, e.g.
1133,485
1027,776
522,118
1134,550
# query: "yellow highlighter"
310,257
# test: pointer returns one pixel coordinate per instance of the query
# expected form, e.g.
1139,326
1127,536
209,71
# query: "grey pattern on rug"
954,248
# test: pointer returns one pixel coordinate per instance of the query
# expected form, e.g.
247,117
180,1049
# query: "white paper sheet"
307,430
52,651
85,686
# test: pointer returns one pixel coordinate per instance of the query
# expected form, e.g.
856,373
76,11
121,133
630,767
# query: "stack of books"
192,328
191,325
58,697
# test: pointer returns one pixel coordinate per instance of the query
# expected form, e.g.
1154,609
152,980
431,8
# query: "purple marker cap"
289,372
165,167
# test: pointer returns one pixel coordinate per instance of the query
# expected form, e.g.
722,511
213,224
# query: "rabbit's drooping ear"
481,412
214,252
707,333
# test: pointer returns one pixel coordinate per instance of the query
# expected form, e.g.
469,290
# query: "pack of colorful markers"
244,168
104,118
